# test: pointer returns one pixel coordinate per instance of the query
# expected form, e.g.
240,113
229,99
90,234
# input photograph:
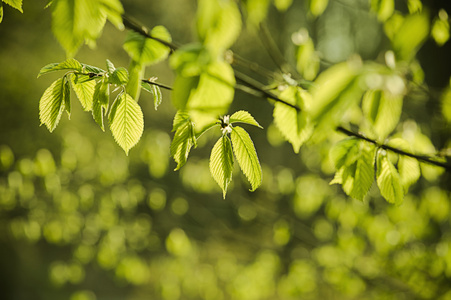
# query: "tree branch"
255,88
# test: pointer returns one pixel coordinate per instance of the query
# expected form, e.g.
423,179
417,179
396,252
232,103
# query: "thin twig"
166,87
253,87
423,158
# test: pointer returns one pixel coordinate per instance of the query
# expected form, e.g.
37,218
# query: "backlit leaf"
218,23
334,92
84,89
147,51
408,167
382,110
155,91
119,76
410,36
127,122
52,104
100,102
388,180
317,7
221,163
70,64
246,155
293,124
243,117
184,138
17,4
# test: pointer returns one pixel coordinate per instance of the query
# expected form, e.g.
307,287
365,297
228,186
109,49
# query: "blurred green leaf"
410,36
408,167
440,28
1,11
70,64
218,24
256,11
126,122
383,8
221,163
245,153
334,91
388,179
293,124
446,103
136,73
52,104
317,7
146,51
382,110
84,90
282,5
354,160
307,60
243,116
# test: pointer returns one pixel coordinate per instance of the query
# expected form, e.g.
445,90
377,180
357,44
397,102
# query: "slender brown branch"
255,88
163,86
422,158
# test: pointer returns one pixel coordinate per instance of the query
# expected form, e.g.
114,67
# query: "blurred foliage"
79,220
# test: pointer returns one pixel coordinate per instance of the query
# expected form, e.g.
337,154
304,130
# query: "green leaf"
440,28
446,103
17,4
221,163
110,66
76,21
1,11
218,24
52,104
382,110
282,5
246,155
113,10
317,7
92,69
293,124
70,64
413,31
408,167
383,8
334,92
242,116
307,59
155,91
119,76
354,160
257,11
66,95
127,122
388,179
184,138
84,89
100,102
146,51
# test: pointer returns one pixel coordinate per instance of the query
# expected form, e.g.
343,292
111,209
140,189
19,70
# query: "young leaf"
383,8
110,66
119,76
147,51
218,23
243,117
84,89
388,180
293,124
127,122
17,4
334,91
52,104
100,102
408,167
317,7
1,11
354,161
221,163
66,95
136,72
184,138
155,91
246,155
382,111
70,64
410,36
